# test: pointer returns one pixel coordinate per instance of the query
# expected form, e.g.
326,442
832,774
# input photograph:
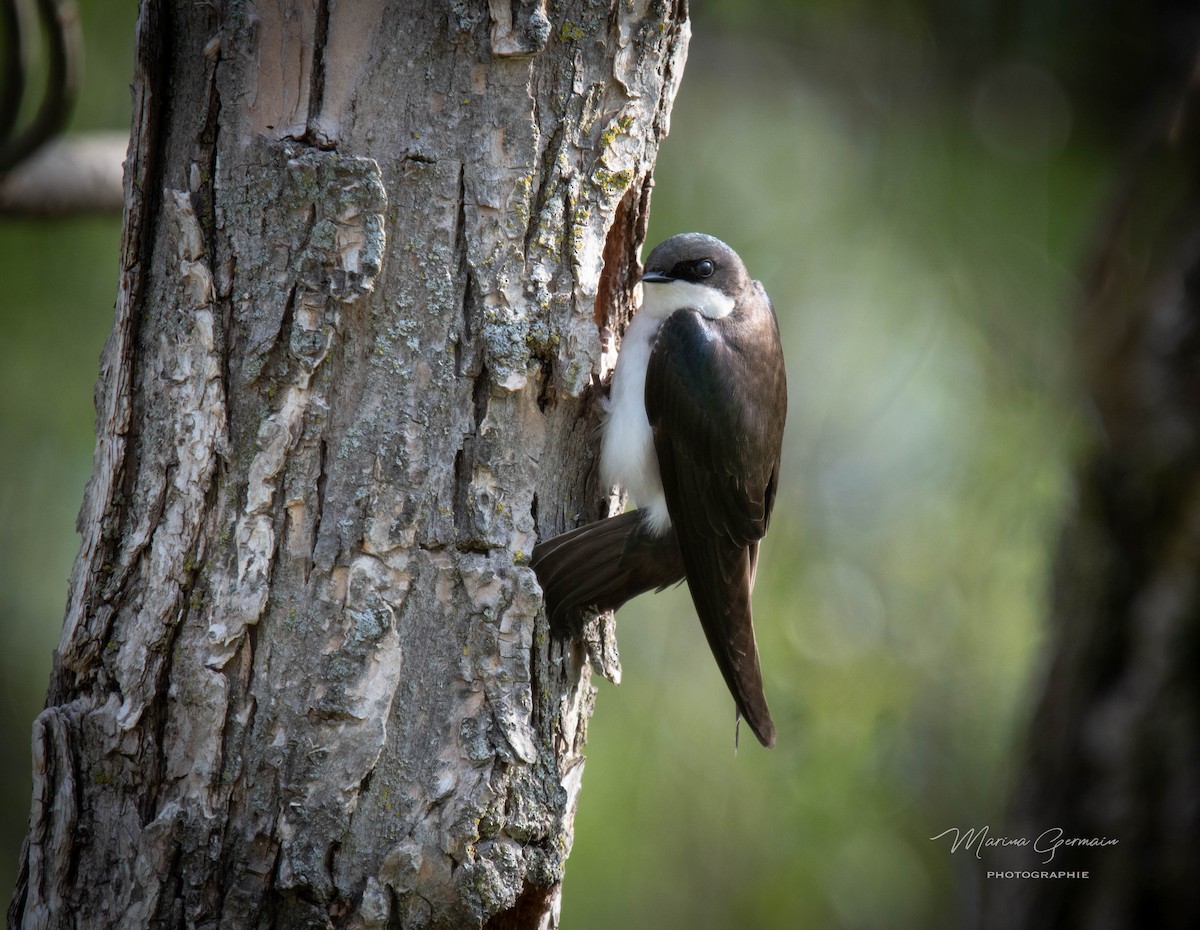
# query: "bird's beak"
656,277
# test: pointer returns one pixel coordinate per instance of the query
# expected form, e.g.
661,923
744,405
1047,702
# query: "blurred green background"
920,249
916,184
60,283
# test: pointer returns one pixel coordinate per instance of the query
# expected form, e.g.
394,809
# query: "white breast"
627,454
627,447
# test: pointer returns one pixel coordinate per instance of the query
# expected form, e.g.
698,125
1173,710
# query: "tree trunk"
370,253
1115,745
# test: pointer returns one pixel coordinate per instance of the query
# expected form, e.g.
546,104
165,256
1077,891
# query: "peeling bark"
373,261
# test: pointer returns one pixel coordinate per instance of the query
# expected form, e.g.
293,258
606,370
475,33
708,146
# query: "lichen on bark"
370,277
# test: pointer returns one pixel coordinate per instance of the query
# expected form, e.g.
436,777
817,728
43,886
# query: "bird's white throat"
627,455
661,299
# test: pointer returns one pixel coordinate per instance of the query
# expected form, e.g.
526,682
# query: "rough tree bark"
371,253
1115,744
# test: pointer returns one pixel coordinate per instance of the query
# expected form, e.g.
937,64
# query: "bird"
693,430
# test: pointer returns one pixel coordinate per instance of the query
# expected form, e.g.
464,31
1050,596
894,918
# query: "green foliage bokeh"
922,241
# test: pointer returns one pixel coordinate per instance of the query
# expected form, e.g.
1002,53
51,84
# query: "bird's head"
696,271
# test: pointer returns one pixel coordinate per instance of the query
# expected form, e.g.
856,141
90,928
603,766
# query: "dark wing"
601,566
716,399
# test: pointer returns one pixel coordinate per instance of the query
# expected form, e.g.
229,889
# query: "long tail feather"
602,565
720,583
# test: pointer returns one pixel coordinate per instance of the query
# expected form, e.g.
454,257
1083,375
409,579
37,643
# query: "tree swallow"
693,432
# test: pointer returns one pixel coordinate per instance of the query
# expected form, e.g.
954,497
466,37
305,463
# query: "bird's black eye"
705,268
